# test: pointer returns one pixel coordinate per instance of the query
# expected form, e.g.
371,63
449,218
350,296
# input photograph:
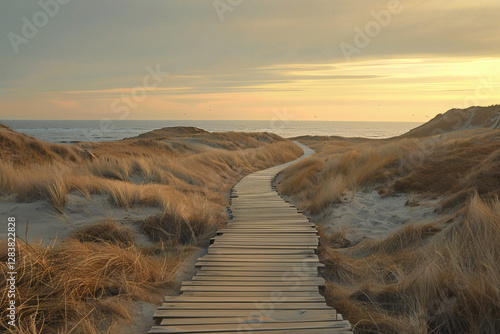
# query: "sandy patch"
38,221
369,215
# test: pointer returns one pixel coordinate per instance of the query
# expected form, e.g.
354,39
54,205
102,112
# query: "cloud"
276,51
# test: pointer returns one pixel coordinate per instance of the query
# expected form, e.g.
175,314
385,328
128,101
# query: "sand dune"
409,225
458,119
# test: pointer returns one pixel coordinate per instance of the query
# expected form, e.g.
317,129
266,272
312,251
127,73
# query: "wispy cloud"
266,54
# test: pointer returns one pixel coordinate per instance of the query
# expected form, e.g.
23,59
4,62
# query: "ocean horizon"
71,131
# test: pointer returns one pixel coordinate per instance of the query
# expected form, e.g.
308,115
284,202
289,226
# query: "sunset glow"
263,56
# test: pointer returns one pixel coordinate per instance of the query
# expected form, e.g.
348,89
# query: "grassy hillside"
87,283
458,119
437,276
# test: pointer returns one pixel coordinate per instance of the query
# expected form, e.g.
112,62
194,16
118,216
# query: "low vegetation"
87,282
438,276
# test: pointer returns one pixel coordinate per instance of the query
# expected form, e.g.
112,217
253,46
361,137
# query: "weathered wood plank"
223,248
210,328
277,315
243,306
260,294
281,278
255,263
257,232
242,299
276,268
277,238
223,288
202,273
291,282
247,320
159,330
265,251
206,321
261,258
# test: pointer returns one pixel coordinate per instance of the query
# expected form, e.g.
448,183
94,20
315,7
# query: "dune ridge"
457,120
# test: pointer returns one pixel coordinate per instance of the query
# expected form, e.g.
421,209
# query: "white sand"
39,221
369,215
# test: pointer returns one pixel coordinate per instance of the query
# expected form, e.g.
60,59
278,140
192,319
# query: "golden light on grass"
437,276
88,282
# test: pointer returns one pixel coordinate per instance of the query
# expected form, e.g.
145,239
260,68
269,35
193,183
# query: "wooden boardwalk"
259,275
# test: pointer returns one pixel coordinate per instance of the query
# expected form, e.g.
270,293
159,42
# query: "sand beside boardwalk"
367,214
40,222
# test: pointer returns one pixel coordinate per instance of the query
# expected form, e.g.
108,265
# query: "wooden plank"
265,251
280,269
257,264
256,237
259,259
294,281
241,299
247,320
282,278
159,330
262,256
223,288
242,306
226,246
255,273
265,244
295,222
229,240
292,232
277,315
260,294
245,240
211,328
296,226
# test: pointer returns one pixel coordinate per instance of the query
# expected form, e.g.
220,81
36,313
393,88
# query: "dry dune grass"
84,284
131,174
422,279
24,150
339,166
451,166
433,277
59,286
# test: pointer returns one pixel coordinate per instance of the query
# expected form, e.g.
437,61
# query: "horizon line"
209,120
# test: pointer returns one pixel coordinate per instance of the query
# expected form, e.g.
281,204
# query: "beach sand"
367,214
38,221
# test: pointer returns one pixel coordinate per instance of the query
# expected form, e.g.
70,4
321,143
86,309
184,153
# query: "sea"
71,131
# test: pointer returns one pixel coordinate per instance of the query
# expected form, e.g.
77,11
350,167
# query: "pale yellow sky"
407,62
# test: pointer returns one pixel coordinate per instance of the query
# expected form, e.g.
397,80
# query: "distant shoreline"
66,132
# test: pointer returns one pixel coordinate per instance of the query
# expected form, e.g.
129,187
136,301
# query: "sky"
332,60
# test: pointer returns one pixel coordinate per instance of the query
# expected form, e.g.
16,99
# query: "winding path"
260,274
